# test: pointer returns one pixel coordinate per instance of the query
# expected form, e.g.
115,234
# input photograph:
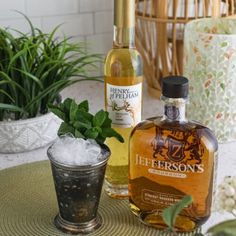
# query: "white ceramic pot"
28,134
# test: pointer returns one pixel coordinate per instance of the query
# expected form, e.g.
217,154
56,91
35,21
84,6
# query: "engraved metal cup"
78,190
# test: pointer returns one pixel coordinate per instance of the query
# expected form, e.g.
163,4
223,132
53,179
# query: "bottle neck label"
124,104
174,113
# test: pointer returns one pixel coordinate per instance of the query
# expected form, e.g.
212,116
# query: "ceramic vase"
210,66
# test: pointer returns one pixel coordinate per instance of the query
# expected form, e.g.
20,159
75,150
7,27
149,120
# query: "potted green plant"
34,69
78,161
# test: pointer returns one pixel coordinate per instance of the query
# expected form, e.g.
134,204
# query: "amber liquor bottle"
171,157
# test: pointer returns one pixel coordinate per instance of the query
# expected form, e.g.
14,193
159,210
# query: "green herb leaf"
99,118
73,110
57,111
100,139
109,132
78,134
82,124
170,214
84,106
66,105
227,228
82,115
91,133
66,129
107,123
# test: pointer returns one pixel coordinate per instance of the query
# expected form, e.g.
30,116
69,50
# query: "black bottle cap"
175,87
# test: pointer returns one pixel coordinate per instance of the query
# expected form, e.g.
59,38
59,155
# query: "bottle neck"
174,109
124,37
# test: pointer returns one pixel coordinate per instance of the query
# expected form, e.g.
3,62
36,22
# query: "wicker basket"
159,33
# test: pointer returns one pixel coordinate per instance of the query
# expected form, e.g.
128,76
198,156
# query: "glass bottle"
123,94
171,157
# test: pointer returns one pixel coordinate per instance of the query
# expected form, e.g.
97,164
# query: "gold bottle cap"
124,15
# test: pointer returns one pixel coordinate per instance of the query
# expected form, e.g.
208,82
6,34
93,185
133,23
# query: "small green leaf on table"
227,228
170,214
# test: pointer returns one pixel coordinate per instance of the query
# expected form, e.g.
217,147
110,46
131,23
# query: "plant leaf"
99,118
82,115
57,111
109,132
73,110
107,123
10,107
84,106
91,133
170,214
227,228
66,105
82,124
78,134
66,129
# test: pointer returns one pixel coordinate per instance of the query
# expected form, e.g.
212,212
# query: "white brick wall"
89,20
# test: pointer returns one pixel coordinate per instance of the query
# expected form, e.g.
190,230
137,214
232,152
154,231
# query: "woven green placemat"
28,206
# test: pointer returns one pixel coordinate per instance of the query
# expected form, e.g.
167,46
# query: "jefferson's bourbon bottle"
171,157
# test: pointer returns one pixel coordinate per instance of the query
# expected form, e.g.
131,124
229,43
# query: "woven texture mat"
28,206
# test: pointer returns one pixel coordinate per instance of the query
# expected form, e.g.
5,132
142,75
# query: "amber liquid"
169,160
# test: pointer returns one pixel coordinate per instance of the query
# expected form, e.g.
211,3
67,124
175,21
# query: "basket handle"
216,8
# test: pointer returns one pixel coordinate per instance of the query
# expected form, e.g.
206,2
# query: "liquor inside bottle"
170,158
123,95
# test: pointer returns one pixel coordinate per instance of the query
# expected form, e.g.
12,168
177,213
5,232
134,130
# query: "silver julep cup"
78,190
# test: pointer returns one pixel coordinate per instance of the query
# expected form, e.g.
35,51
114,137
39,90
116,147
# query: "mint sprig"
170,214
81,124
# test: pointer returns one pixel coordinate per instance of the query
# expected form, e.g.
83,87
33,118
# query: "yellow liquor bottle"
123,94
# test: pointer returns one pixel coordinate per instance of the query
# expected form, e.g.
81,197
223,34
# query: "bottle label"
124,104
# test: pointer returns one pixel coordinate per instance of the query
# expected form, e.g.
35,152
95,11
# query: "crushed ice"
76,151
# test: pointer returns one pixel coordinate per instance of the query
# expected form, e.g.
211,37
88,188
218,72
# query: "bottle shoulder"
176,131
123,62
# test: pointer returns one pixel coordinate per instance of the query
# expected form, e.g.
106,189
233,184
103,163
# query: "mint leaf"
57,111
227,228
82,124
109,132
91,133
107,123
84,106
170,214
83,115
78,134
66,105
100,139
99,118
66,129
73,110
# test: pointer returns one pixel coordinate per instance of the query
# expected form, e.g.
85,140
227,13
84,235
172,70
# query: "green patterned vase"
210,65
